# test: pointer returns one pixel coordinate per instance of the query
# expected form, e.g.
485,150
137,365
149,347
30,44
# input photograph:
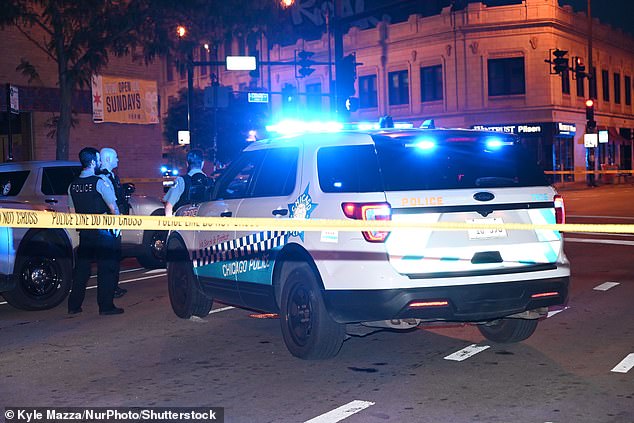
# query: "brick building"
139,146
477,67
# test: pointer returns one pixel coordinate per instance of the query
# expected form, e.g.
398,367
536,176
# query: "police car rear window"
350,168
454,160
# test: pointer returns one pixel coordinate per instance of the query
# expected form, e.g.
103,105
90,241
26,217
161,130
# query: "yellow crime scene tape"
48,219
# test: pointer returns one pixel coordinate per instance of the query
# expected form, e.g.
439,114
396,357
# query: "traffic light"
579,68
289,97
346,75
305,62
590,114
560,62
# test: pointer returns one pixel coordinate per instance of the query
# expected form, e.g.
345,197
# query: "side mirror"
128,189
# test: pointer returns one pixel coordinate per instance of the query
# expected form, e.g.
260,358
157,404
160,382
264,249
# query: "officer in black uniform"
109,162
190,188
93,194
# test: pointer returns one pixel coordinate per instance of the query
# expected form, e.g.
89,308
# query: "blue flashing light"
164,169
287,127
496,143
425,144
403,125
175,172
337,184
366,126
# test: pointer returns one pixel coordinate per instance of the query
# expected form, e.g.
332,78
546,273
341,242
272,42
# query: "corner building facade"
480,67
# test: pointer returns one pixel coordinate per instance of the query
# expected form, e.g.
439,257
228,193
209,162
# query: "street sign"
590,140
603,137
183,137
241,63
258,97
14,102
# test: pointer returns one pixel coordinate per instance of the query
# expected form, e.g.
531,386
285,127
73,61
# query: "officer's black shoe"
114,310
75,310
119,292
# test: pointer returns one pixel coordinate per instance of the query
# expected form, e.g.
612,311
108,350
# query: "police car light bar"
288,127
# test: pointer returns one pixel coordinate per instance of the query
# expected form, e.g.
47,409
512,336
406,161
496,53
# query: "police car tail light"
369,211
560,210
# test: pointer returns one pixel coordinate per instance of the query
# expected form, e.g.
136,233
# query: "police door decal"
301,208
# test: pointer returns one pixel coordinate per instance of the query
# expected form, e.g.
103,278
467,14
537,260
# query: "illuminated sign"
241,63
258,97
590,140
567,128
603,137
529,128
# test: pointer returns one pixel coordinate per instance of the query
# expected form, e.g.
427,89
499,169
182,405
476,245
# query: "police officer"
93,194
182,191
109,162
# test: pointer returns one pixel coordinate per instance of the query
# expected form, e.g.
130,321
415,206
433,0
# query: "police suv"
501,279
36,263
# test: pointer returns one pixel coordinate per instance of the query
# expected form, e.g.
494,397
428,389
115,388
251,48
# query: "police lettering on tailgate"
421,201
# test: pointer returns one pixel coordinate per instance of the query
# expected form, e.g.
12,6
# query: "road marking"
600,241
149,272
625,365
553,312
605,286
467,352
130,280
220,310
342,412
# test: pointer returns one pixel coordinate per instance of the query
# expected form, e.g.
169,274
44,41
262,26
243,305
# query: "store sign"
566,128
124,100
14,101
528,128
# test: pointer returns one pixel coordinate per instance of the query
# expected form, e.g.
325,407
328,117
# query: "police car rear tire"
185,296
308,330
508,331
43,278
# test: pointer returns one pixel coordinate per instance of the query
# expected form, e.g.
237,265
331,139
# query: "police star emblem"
301,209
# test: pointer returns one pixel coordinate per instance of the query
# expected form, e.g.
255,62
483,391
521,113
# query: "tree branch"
37,43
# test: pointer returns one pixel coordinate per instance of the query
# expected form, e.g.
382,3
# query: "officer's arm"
105,188
173,195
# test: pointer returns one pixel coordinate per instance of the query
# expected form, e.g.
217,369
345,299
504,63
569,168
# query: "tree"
81,35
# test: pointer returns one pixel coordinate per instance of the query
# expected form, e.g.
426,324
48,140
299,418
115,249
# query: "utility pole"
590,151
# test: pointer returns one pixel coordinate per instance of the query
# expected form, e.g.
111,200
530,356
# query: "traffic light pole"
590,151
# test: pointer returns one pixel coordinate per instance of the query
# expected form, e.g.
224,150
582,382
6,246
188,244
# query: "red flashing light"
369,211
589,102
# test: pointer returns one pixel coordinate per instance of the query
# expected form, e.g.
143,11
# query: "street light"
286,3
181,31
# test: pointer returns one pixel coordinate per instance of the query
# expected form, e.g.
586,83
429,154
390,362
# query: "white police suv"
503,280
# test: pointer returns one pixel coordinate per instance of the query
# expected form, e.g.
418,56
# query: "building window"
203,58
605,84
398,87
506,76
367,92
431,83
565,82
617,88
581,91
628,90
313,97
593,83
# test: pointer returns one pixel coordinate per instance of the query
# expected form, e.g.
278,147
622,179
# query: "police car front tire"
508,331
43,277
308,330
185,297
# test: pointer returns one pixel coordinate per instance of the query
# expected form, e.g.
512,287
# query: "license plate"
487,233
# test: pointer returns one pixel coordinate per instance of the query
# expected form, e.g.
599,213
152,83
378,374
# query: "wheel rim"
299,314
157,245
41,277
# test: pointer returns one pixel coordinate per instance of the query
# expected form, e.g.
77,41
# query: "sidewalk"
579,186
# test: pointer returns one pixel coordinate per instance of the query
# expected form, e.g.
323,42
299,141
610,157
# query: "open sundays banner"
118,99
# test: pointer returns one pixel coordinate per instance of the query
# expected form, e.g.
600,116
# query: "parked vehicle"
502,280
36,264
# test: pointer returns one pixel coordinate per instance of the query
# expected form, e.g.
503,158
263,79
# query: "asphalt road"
233,359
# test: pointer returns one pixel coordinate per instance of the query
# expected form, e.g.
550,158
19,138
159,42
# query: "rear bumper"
466,303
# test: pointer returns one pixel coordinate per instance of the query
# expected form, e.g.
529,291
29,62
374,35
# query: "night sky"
618,13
